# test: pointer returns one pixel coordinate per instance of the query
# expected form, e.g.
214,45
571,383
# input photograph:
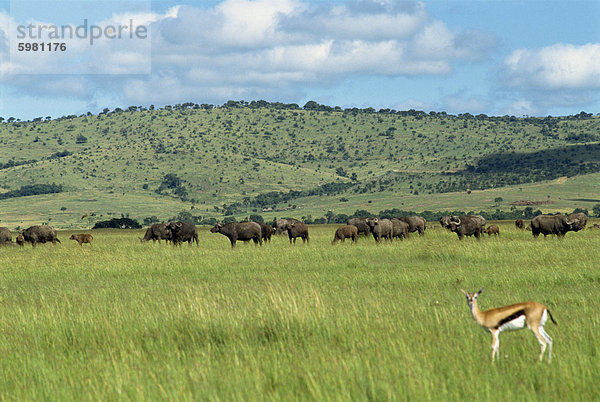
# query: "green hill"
276,159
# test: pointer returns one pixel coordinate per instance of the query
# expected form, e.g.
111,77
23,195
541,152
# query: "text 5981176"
42,47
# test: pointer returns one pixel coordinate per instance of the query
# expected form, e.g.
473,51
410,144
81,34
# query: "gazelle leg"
495,342
541,340
548,341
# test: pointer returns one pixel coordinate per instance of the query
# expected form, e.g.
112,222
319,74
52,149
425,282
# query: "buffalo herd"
260,232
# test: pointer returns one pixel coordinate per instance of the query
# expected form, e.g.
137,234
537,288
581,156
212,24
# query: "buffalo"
481,220
346,232
381,228
493,230
20,240
557,225
239,231
280,226
361,225
520,224
415,224
157,231
400,228
297,229
5,236
467,225
266,231
179,232
445,221
40,234
82,238
581,219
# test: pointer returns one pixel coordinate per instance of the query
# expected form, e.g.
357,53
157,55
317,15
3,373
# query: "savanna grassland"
131,321
279,160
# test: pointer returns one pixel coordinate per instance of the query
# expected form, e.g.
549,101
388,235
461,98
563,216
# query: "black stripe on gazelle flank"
511,317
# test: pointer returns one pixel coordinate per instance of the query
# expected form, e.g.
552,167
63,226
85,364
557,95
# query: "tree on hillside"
173,185
170,181
256,218
118,223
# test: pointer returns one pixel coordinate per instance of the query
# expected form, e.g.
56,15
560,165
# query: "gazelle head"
472,297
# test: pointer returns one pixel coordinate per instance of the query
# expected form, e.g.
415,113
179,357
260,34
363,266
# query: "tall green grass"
125,320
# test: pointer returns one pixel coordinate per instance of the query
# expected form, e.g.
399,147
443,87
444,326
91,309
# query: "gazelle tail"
552,318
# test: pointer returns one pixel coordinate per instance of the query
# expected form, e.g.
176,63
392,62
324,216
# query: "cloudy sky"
478,56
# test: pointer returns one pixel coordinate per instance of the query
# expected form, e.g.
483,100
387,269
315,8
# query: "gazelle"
512,318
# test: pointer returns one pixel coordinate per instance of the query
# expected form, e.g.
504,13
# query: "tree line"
33,189
317,107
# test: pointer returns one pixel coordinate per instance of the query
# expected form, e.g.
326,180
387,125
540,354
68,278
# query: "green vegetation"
118,223
36,189
124,320
277,159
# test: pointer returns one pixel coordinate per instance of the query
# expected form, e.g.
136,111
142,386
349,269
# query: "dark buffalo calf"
344,232
20,240
520,224
82,238
493,230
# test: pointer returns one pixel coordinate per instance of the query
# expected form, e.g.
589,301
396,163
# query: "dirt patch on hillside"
561,180
522,203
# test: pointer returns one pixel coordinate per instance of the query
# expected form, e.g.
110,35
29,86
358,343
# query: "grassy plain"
563,195
125,320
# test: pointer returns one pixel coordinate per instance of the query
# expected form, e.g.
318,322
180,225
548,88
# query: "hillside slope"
240,158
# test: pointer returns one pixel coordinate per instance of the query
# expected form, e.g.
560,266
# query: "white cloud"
560,75
522,107
435,41
556,67
244,48
279,44
139,18
359,22
249,23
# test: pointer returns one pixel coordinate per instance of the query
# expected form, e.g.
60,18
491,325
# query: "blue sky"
494,57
